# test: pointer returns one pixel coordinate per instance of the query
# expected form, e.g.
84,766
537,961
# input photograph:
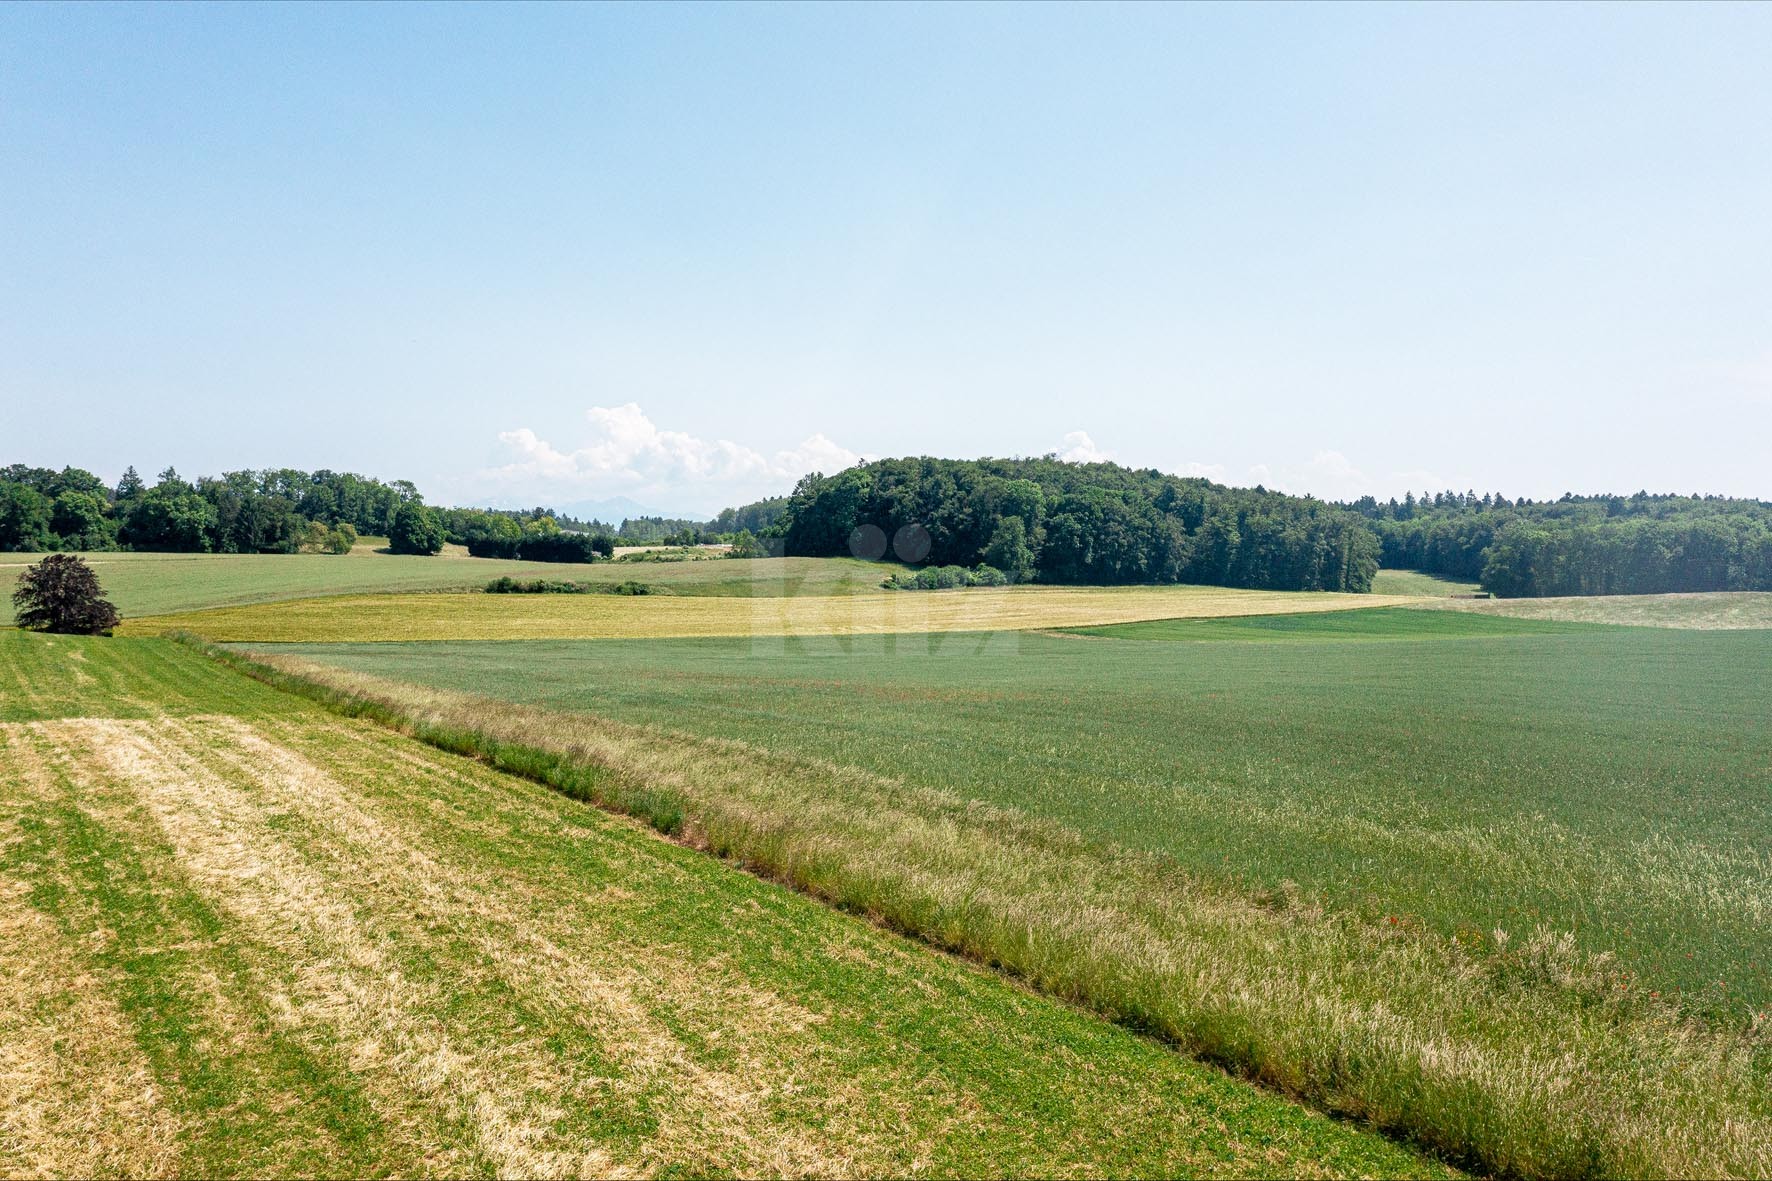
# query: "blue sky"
685,253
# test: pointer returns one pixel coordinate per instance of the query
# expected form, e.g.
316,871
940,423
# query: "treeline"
243,512
1098,523
1580,545
533,536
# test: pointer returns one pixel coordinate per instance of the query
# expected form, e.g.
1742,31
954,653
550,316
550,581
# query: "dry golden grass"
511,617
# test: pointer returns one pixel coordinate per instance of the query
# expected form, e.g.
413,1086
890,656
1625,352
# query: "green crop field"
158,584
1488,773
244,936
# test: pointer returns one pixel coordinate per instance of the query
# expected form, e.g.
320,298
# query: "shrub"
62,594
493,547
559,547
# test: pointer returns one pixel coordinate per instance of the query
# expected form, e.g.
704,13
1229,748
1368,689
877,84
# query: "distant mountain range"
611,511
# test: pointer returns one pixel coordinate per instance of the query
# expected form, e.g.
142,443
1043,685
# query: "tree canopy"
1580,545
1095,523
61,594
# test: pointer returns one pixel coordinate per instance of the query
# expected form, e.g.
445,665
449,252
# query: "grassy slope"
506,617
1616,783
1715,611
246,937
1380,623
155,584
1414,582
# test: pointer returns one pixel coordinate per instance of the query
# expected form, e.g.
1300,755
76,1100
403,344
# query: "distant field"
1480,773
1380,623
158,584
506,617
1414,582
1716,611
244,937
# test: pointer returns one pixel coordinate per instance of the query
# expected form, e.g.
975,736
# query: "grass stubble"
1529,1059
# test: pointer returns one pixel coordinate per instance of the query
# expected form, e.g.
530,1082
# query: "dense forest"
1580,545
286,510
1032,519
1097,523
245,512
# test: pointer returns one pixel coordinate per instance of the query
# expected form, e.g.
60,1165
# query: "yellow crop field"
347,618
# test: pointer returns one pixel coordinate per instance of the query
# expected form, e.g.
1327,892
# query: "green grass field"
1515,1054
1487,773
246,937
1414,582
159,584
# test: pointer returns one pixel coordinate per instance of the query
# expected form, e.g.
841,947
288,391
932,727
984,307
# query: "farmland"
1712,611
158,583
1629,804
515,617
245,936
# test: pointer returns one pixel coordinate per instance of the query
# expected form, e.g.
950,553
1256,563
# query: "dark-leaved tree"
415,530
62,594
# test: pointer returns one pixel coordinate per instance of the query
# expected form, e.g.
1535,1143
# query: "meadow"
1709,611
1414,582
244,936
1468,773
1522,1056
143,584
481,617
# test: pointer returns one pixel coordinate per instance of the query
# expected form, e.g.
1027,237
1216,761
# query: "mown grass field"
247,937
1469,773
375,618
158,584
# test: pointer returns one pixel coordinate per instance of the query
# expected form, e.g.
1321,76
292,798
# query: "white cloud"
628,453
1328,475
1078,447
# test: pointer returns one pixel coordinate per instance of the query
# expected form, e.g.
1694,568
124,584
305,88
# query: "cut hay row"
558,617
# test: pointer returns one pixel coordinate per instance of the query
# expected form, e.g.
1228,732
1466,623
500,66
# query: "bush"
543,586
416,530
946,578
560,547
494,547
62,594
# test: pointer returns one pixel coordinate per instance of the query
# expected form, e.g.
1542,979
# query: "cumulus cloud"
627,452
1328,475
1078,447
